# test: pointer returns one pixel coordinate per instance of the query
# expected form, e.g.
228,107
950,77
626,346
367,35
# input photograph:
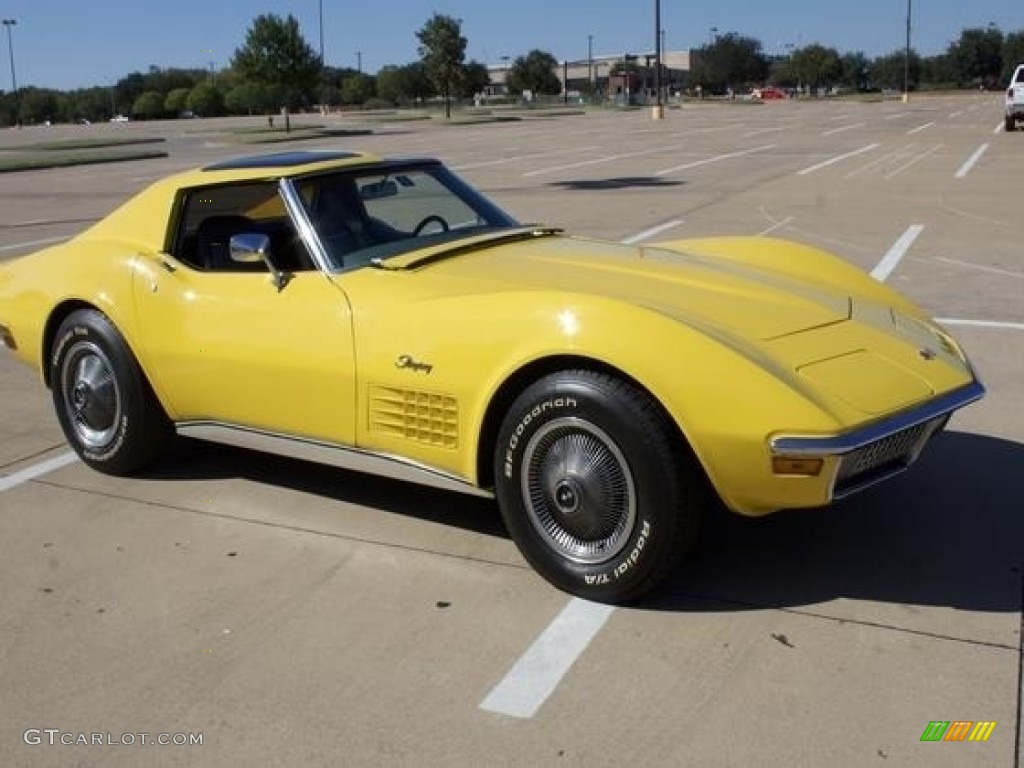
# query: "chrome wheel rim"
578,490
92,400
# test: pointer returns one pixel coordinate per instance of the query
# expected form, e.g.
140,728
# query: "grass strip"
69,159
301,136
97,143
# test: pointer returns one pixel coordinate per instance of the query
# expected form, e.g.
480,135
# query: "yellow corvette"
332,304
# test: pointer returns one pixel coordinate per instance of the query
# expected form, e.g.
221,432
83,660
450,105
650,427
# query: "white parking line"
998,129
971,161
517,158
538,671
36,470
30,243
887,157
776,226
843,129
897,252
913,161
956,114
652,232
920,128
980,323
897,116
837,159
766,130
715,159
596,161
982,267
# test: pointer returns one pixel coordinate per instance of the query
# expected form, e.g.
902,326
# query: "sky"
70,43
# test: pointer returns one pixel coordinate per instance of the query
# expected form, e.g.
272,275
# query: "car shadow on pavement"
191,459
620,183
947,533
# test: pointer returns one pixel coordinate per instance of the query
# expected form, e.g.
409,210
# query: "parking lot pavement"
293,614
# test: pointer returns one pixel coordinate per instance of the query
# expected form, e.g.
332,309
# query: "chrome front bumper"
880,450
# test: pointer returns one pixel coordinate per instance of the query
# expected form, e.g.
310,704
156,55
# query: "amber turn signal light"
794,465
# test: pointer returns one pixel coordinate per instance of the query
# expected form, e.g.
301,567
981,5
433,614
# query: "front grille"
891,454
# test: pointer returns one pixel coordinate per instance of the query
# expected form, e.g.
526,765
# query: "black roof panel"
280,160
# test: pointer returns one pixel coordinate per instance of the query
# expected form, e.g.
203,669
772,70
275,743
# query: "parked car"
1015,99
769,93
332,304
120,119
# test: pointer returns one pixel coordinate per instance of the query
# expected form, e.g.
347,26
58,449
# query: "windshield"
367,216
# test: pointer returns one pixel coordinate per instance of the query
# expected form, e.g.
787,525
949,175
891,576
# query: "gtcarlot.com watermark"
55,737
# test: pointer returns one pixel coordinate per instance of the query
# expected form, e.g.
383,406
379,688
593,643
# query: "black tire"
1010,124
594,487
104,404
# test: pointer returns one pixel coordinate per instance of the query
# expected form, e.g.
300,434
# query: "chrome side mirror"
254,248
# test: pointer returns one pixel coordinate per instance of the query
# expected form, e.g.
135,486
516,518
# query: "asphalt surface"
292,614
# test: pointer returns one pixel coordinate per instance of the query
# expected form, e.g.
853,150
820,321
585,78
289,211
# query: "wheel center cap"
567,496
80,395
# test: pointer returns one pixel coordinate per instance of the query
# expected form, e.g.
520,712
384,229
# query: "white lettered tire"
595,486
103,402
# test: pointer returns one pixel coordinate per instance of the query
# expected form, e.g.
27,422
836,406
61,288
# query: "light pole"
590,60
323,71
659,109
359,61
10,49
906,61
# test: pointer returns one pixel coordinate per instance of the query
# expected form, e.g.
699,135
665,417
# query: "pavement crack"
857,622
34,455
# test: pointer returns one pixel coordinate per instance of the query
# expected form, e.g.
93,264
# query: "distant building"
633,86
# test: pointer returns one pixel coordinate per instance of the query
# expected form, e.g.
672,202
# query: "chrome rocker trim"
331,454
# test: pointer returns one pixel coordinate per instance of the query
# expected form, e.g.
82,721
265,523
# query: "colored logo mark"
958,730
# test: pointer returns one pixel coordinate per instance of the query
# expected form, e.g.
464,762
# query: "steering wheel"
431,219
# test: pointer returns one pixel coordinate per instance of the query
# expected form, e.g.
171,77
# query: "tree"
978,56
939,71
442,50
475,78
888,71
816,66
149,105
176,101
1013,54
403,84
277,56
36,105
246,98
732,60
205,99
357,89
855,70
534,72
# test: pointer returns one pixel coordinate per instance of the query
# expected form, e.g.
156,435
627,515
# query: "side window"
1020,75
211,216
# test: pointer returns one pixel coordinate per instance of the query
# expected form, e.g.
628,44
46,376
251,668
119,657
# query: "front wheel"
1010,123
104,403
594,487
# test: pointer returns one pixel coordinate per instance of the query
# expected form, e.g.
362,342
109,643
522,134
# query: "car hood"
708,292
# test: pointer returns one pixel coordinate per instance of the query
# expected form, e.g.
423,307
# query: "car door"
223,343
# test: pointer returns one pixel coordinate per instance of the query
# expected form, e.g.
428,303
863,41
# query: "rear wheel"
1010,123
104,403
594,487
